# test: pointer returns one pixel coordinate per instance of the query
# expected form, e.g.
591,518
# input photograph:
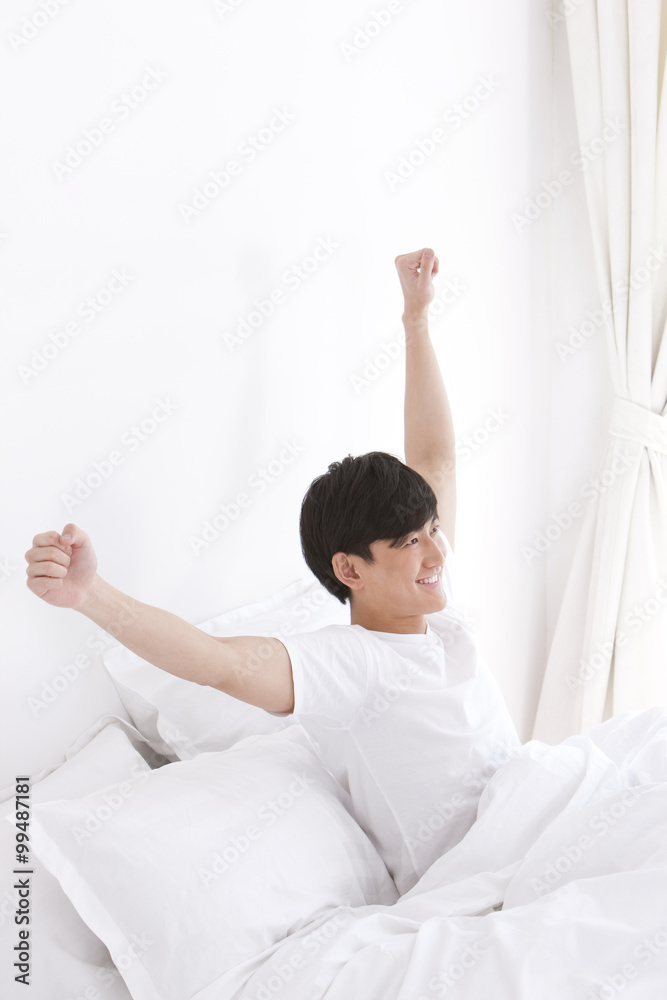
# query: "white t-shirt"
411,725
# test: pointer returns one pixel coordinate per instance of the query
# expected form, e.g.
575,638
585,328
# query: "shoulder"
326,633
335,641
330,670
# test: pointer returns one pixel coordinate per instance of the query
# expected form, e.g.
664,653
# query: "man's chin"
437,602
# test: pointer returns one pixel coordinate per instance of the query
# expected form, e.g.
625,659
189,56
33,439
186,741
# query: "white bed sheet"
571,842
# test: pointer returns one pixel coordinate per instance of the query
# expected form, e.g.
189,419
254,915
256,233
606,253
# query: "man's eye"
415,539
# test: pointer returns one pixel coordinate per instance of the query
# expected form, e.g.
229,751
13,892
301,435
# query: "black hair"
373,497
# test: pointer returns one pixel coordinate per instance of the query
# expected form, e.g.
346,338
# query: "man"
403,710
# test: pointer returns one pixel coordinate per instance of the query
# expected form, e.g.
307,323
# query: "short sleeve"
330,672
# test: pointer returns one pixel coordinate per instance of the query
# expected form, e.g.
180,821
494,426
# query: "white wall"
218,78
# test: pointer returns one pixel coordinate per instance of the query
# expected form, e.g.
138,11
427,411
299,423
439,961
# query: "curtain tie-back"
636,423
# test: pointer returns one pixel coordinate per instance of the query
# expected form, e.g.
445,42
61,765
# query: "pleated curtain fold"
608,654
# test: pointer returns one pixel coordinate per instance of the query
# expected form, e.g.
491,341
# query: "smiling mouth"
430,581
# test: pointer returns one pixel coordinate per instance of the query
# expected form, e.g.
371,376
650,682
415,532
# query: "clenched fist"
62,568
415,271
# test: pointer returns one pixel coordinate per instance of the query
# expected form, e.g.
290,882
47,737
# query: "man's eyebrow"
399,541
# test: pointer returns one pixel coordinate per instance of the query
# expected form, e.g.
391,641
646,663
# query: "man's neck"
377,622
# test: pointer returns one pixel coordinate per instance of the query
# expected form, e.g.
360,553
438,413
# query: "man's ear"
345,569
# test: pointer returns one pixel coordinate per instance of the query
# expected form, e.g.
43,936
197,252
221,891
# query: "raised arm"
430,446
62,570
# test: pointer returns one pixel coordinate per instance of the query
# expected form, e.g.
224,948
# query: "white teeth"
430,579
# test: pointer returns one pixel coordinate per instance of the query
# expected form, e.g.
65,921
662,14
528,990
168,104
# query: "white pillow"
203,864
68,959
182,718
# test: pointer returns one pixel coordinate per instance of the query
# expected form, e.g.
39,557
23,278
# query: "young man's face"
391,591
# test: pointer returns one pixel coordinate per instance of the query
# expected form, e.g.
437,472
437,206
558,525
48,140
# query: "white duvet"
572,842
558,890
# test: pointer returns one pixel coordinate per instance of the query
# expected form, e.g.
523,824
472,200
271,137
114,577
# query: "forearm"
429,428
158,636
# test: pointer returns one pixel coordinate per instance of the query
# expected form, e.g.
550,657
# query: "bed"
204,852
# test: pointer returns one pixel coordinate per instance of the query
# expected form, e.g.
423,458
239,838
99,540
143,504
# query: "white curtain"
609,650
